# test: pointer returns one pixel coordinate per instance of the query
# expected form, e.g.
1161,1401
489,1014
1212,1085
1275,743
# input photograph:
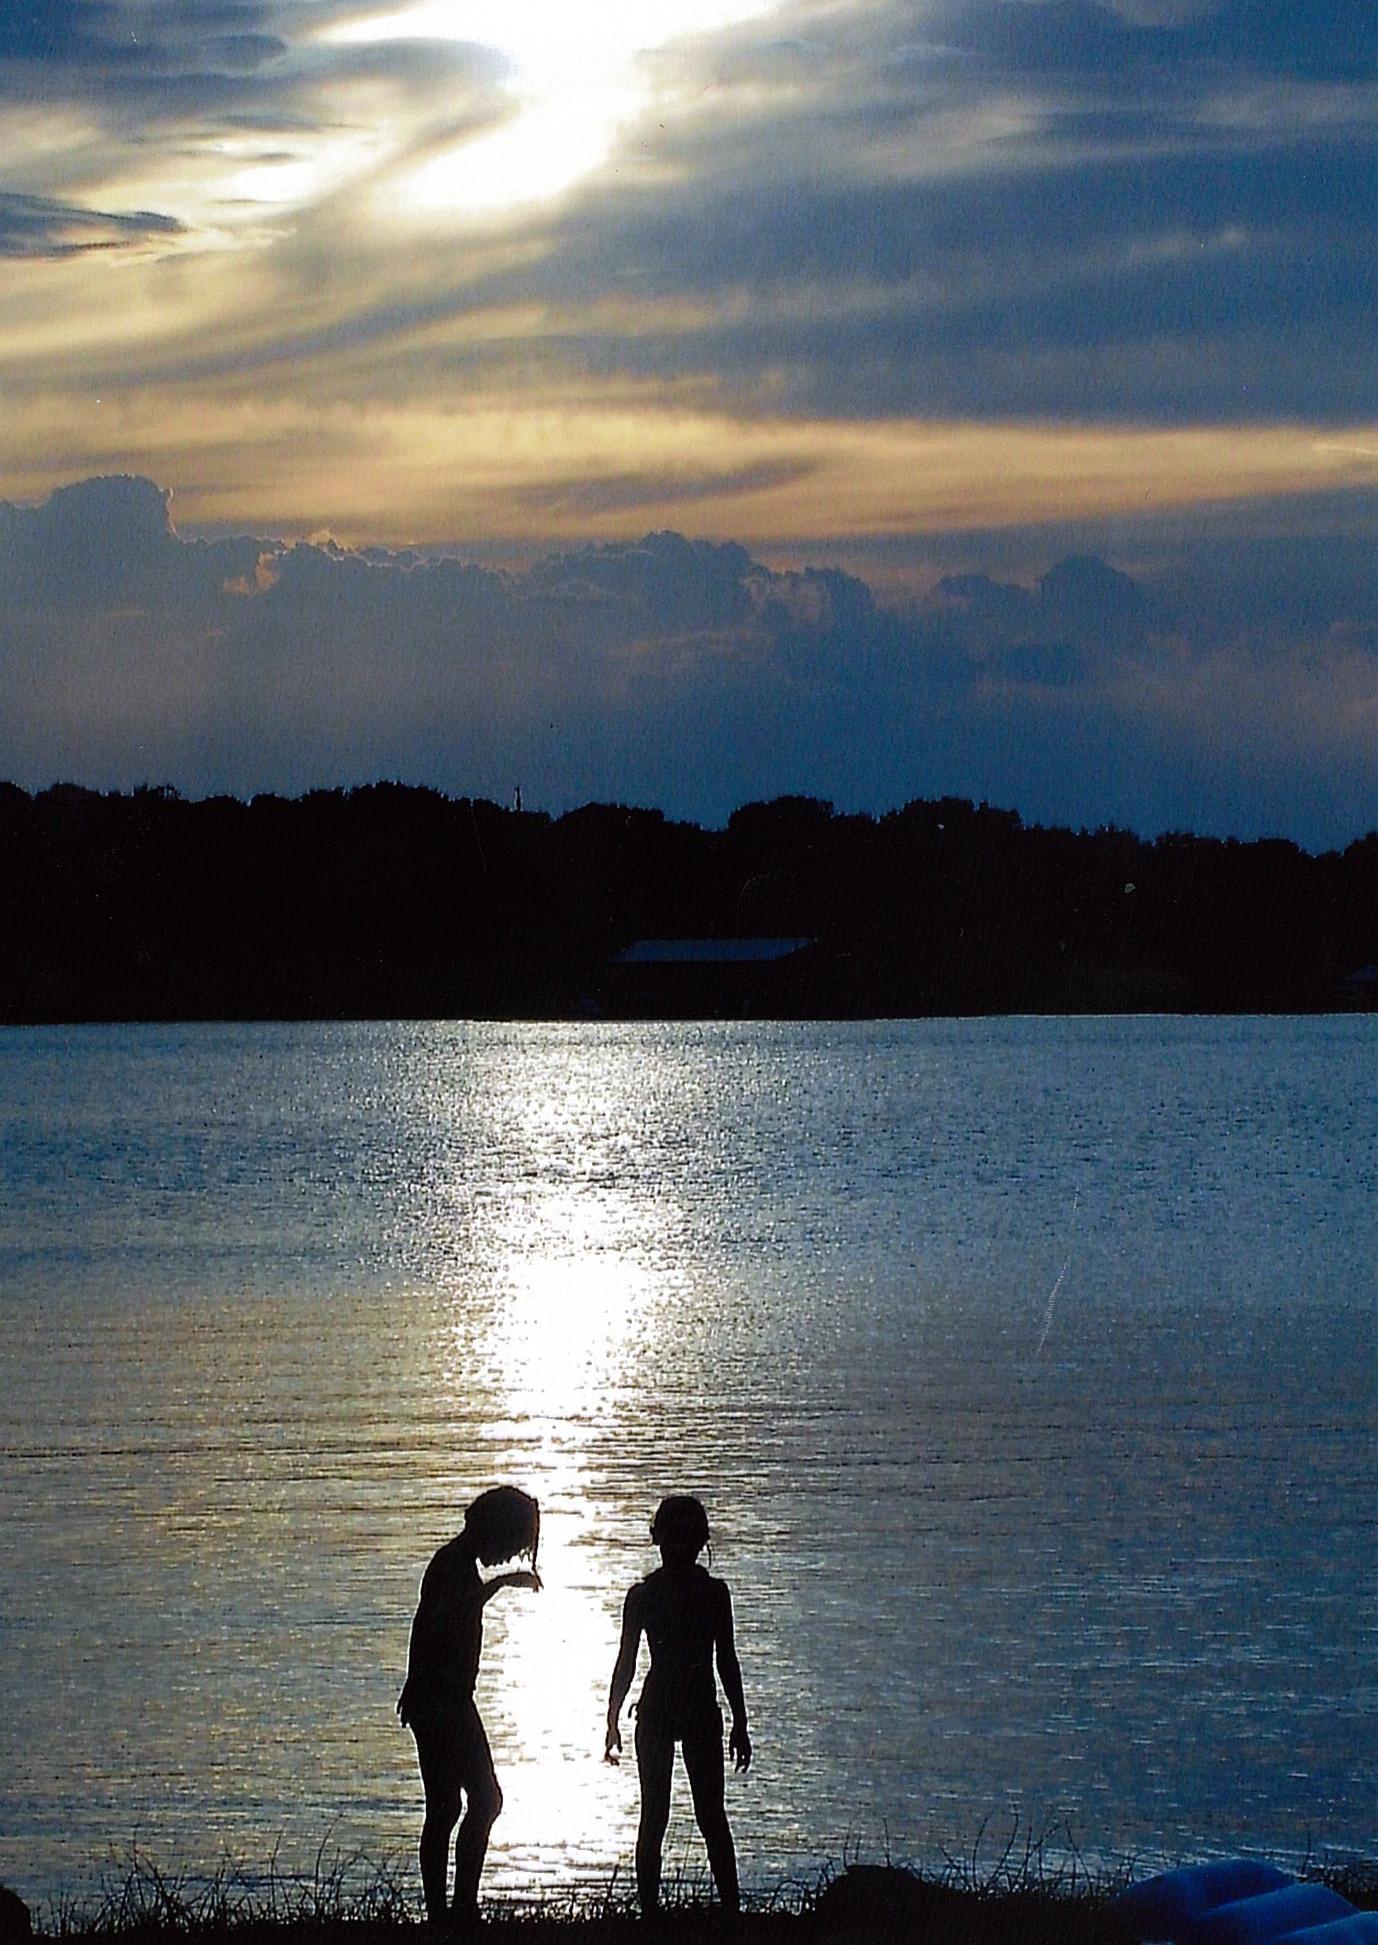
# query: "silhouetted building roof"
708,952
704,979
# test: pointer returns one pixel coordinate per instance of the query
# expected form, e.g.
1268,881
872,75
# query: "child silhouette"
686,1616
437,1699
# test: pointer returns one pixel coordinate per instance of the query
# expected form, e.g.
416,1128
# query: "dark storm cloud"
1336,40
91,45
1195,290
106,546
36,226
614,493
50,30
1037,207
1081,605
682,674
205,62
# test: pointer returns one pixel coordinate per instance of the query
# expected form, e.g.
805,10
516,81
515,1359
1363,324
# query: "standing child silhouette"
686,1616
437,1699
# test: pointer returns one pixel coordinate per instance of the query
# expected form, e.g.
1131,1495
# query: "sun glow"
560,133
574,75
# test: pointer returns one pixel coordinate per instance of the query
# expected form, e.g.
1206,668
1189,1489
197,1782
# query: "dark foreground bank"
862,1905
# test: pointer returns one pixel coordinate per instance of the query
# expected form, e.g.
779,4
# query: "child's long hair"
504,1522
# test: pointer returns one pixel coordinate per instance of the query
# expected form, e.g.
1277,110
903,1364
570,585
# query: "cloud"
1031,208
35,226
92,47
45,30
1040,207
217,108
888,268
1206,41
617,492
833,223
1161,13
686,675
1081,610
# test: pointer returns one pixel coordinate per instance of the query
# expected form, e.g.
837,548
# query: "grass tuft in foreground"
1024,1891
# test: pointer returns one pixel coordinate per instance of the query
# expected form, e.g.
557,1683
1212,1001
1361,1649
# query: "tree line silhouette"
392,900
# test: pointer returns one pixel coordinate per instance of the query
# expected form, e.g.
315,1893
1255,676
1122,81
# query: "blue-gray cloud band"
689,676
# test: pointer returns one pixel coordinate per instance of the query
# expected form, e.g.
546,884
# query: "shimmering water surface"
1028,1369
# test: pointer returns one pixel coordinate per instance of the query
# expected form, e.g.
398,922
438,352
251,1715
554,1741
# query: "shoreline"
1023,1900
862,1905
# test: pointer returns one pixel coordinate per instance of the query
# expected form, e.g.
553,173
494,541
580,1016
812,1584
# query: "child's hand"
739,1744
612,1747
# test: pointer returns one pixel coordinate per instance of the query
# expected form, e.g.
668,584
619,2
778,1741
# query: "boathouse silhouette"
691,979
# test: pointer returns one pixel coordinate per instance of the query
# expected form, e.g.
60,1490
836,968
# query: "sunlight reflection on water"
278,1301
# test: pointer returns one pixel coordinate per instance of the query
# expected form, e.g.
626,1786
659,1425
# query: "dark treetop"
393,901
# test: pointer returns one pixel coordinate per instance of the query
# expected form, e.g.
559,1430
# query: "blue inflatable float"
1241,1901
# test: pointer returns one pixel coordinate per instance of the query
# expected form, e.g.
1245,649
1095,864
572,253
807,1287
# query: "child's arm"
730,1675
624,1668
423,1649
521,1578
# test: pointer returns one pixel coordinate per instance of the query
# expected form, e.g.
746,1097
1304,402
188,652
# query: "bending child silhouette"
437,1699
686,1616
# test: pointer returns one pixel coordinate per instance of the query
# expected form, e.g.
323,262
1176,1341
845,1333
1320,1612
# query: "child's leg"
482,1808
703,1758
655,1760
436,1756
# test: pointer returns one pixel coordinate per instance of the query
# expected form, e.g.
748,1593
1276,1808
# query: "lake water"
1029,1369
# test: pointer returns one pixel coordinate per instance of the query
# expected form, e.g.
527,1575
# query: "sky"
682,402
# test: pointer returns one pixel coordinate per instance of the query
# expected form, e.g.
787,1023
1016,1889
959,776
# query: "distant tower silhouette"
517,798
